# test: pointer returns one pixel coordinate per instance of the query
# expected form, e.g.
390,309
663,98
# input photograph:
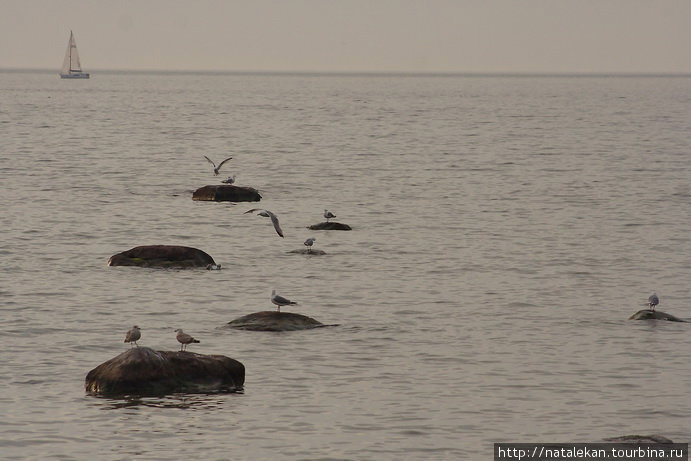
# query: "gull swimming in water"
216,168
279,300
268,214
328,215
133,335
184,339
229,179
653,301
309,242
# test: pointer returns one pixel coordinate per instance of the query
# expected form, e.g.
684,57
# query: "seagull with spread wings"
216,168
268,214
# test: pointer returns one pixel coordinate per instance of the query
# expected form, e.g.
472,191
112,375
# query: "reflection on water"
181,401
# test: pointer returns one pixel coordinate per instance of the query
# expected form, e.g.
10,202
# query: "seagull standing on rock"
216,168
653,301
229,180
133,335
184,339
268,214
279,300
328,215
309,242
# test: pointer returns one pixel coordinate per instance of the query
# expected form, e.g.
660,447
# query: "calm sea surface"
504,229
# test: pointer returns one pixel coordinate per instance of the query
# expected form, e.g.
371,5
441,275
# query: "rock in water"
639,439
274,321
226,193
647,314
162,256
330,226
143,371
308,251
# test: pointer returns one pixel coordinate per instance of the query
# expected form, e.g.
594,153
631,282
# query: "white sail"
71,67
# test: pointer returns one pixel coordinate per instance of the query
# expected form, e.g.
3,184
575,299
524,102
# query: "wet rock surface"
647,314
167,256
144,371
305,251
652,438
226,193
275,321
330,226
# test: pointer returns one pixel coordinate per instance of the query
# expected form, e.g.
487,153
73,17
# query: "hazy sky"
652,36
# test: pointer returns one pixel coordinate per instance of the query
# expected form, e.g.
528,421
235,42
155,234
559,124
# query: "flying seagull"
133,335
653,301
184,339
268,214
216,168
328,215
309,242
279,300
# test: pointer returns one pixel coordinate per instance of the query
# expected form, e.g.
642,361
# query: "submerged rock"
638,439
169,256
330,226
646,314
143,371
274,321
306,251
226,193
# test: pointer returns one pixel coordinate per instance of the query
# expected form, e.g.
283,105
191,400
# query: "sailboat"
71,67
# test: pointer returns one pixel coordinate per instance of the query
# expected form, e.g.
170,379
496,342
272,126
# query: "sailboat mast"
71,46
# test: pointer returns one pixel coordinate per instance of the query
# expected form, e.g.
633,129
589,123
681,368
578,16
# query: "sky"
421,36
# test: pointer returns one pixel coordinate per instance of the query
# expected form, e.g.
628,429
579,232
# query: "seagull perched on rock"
279,300
184,339
268,214
229,180
328,215
653,301
216,168
133,335
309,242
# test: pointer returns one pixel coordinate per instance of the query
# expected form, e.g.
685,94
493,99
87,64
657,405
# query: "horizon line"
369,72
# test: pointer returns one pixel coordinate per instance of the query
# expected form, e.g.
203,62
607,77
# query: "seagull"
213,267
229,180
216,168
309,242
184,339
328,215
653,301
279,300
268,214
133,335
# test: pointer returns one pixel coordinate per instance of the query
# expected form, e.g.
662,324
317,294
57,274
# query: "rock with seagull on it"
226,193
144,371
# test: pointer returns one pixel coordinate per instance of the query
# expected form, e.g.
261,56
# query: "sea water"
504,229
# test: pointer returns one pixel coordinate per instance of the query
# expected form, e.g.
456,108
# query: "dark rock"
143,371
646,314
162,256
274,321
226,193
638,439
330,226
305,251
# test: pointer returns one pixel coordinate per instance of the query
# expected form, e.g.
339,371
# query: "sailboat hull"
75,75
